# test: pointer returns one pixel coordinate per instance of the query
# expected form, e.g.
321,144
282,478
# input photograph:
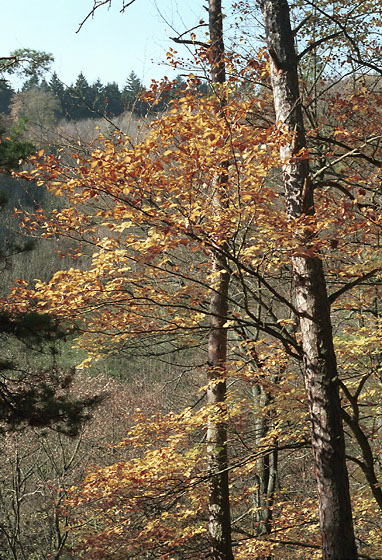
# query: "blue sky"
109,46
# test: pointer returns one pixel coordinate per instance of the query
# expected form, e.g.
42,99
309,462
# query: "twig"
98,4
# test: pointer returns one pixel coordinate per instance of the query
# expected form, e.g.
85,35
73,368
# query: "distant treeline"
82,100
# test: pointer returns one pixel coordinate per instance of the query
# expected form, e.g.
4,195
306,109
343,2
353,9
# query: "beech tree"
219,503
179,309
312,303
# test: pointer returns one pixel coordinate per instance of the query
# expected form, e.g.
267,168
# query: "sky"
109,46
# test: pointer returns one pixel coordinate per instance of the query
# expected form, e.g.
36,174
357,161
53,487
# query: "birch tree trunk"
219,525
321,376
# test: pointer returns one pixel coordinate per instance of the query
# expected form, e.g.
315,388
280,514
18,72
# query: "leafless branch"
126,5
179,39
351,285
317,43
355,152
97,4
188,42
301,24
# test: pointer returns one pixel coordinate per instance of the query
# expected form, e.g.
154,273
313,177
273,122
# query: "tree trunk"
219,508
266,468
219,526
321,376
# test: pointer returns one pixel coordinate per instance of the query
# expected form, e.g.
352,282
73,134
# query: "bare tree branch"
97,4
351,285
125,6
188,42
317,43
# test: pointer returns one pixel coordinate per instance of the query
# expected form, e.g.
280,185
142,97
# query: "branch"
371,160
352,153
301,24
298,544
344,190
367,465
189,42
351,285
316,44
125,6
352,41
189,30
8,60
367,64
293,543
98,4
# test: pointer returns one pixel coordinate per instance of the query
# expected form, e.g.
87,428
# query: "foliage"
5,96
83,101
26,62
149,214
32,395
14,149
147,284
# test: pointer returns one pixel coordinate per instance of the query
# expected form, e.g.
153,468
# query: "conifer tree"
131,95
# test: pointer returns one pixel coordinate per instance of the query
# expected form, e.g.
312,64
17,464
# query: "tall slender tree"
219,506
321,375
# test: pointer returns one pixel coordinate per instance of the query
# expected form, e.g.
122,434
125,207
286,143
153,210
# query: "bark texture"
216,49
266,476
219,507
321,376
219,526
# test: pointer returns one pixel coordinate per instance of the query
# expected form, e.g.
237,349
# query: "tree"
312,303
131,95
26,62
14,148
113,100
217,453
79,101
173,294
36,396
98,97
31,396
37,110
6,93
39,466
57,88
140,287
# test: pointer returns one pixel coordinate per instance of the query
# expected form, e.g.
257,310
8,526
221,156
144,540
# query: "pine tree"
98,96
6,93
80,99
57,88
113,99
131,95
